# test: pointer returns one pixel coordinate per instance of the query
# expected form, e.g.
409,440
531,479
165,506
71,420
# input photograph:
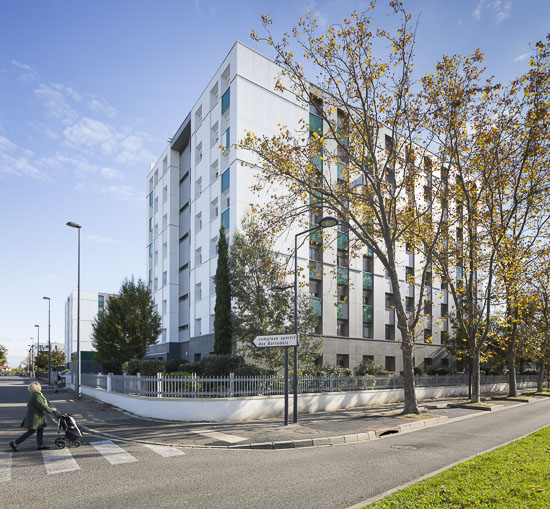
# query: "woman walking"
35,419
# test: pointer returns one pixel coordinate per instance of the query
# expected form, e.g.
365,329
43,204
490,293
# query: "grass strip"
516,475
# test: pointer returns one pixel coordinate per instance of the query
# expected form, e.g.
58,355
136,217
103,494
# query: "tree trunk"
411,406
476,385
540,380
511,364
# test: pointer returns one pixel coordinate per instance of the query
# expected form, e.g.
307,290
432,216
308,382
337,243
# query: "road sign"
274,340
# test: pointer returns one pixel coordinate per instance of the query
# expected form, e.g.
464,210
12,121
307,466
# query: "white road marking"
164,450
224,437
114,454
59,460
5,466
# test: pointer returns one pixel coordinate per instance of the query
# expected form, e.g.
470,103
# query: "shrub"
419,371
252,370
368,367
173,365
220,365
146,367
331,369
190,367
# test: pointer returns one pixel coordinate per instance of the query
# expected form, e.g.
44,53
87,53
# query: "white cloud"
55,104
99,106
110,173
110,192
499,10
522,57
99,239
28,73
67,90
14,161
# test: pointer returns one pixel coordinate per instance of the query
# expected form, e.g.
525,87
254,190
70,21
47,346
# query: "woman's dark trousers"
27,434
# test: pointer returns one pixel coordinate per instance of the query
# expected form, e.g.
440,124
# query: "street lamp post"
31,350
72,224
49,344
38,352
324,222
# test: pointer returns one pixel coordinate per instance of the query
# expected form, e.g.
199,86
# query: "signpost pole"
286,386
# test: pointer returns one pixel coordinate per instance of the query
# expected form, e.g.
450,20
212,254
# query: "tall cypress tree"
223,327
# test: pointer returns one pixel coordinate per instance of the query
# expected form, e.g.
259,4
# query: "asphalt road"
323,477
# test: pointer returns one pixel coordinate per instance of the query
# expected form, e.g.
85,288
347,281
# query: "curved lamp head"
328,222
72,224
47,298
37,326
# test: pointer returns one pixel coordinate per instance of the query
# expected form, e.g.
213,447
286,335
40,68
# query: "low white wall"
263,407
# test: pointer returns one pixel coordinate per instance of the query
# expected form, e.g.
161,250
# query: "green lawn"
514,476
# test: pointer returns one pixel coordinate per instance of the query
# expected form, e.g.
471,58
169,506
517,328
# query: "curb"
323,441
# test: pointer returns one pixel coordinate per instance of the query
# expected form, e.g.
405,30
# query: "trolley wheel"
60,443
76,443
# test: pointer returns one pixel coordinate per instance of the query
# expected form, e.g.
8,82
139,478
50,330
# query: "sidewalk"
328,428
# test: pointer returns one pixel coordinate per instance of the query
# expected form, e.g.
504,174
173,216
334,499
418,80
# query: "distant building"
91,304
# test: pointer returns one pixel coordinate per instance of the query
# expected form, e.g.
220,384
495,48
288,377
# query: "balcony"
368,314
316,305
315,237
342,275
342,311
342,241
368,281
315,270
410,260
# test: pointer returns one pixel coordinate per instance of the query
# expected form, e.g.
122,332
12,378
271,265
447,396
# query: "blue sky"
91,91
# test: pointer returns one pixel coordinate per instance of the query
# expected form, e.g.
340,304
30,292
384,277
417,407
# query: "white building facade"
199,182
91,304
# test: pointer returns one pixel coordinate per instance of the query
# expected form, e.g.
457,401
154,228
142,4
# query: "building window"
227,138
150,224
342,360
197,327
367,331
165,194
164,278
226,100
213,209
197,357
198,256
151,249
226,179
198,222
389,300
156,284
151,200
165,250
342,328
198,187
225,219
428,362
213,247
164,307
150,275
389,332
198,153
198,291
390,363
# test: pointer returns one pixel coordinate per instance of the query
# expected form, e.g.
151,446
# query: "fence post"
393,381
123,383
231,384
109,382
366,381
159,385
331,382
138,384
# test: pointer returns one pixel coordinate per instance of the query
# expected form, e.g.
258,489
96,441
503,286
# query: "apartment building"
92,304
199,182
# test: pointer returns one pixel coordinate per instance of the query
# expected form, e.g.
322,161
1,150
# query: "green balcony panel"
368,281
315,270
317,163
343,241
316,305
343,275
316,124
340,311
368,314
315,237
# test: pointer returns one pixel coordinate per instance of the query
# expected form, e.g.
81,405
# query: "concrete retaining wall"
263,407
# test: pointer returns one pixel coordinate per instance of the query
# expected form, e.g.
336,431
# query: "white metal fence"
232,386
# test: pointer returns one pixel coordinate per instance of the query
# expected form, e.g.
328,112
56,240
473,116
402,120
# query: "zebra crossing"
58,461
